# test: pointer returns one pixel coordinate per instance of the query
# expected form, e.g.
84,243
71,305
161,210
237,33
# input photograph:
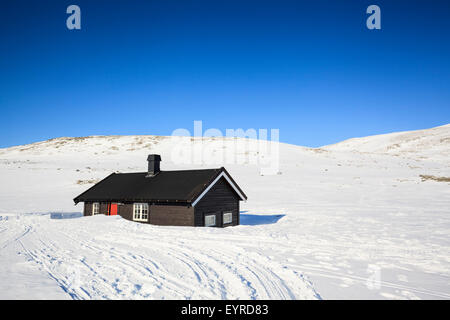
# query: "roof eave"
76,200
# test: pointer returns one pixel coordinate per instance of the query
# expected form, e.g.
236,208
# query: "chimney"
153,164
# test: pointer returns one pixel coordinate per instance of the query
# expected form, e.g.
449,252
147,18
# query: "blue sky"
311,69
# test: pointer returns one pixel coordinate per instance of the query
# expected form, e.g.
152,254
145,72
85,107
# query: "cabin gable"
220,198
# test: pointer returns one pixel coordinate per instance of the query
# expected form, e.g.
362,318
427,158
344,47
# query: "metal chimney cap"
154,157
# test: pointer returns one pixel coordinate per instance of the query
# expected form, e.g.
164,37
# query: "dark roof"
168,186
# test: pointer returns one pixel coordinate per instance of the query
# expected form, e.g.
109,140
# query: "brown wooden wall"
170,215
88,208
87,211
125,211
165,215
219,199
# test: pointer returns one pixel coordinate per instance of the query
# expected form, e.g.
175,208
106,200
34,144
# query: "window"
227,217
95,208
210,220
140,211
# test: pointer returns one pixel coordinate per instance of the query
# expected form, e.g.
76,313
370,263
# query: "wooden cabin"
208,197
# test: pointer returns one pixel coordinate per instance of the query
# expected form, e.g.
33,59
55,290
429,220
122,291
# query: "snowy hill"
434,143
350,220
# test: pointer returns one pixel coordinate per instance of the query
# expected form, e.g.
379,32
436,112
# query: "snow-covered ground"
352,220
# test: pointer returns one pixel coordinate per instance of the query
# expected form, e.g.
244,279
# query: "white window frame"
140,212
226,214
210,224
95,208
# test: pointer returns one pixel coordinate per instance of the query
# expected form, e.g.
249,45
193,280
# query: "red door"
113,209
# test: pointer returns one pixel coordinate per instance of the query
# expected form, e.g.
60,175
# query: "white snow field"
368,218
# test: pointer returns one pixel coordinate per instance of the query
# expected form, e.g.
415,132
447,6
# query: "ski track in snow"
100,267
